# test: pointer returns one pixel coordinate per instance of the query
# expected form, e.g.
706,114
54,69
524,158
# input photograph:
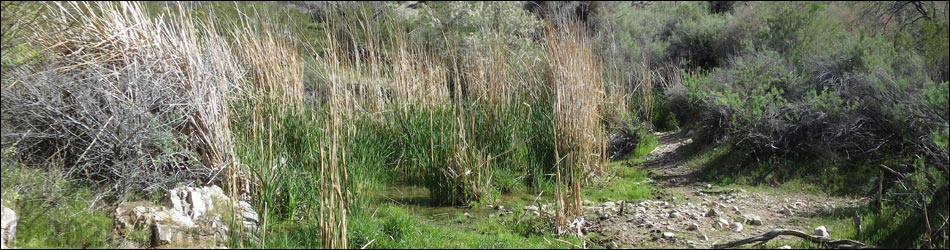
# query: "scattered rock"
821,231
603,215
787,211
718,205
712,213
735,209
754,220
8,223
721,223
704,238
692,227
531,208
693,216
668,235
674,215
829,207
736,227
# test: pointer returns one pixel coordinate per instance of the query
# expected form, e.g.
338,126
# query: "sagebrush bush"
704,40
118,112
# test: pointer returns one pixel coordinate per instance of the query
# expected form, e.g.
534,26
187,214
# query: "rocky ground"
692,214
686,213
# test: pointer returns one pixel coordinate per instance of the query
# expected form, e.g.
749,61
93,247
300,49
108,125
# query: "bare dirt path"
690,214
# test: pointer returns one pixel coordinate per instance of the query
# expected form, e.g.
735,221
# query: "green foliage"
53,212
934,42
791,28
627,185
937,98
704,39
663,119
751,90
470,24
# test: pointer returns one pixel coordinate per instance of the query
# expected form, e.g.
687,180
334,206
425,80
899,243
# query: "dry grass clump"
580,146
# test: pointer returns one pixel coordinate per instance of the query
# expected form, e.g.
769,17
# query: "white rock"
736,227
645,204
735,208
674,215
165,234
785,247
8,223
720,223
198,206
610,204
531,208
668,235
705,238
182,212
821,231
692,227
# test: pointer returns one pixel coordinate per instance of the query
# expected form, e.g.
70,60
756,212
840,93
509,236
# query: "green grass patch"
627,184
397,227
53,212
646,144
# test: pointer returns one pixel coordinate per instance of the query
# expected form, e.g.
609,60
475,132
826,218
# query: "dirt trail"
700,215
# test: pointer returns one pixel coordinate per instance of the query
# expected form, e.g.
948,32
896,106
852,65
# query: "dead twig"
829,242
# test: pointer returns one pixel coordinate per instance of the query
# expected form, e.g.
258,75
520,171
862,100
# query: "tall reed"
580,145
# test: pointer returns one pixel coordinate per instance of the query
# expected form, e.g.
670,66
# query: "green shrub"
704,40
791,28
